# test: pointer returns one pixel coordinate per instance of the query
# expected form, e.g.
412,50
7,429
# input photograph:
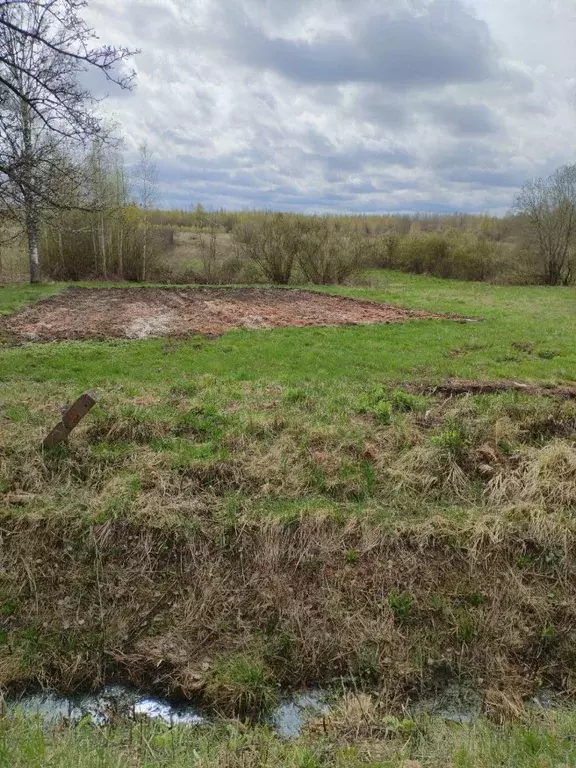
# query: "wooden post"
70,419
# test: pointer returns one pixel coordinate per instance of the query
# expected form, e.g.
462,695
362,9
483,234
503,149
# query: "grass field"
269,509
546,741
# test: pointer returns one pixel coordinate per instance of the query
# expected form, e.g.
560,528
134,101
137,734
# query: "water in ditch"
456,703
287,719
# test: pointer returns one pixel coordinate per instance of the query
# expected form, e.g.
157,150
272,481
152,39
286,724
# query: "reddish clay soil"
139,313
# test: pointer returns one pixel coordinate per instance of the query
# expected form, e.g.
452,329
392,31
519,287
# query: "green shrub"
272,241
452,254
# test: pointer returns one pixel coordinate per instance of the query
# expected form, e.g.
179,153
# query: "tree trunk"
103,248
27,186
32,232
121,252
144,251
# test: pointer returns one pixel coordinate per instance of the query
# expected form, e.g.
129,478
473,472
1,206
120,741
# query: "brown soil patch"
139,313
456,387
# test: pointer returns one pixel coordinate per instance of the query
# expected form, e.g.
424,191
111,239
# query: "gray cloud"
441,45
465,118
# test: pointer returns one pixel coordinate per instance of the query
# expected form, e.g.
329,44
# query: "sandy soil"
139,313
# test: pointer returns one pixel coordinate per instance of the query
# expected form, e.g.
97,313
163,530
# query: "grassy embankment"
547,741
270,508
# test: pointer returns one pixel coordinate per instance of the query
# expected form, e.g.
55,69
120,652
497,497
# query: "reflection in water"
456,703
288,719
291,716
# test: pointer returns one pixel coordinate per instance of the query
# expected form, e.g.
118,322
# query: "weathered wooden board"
70,419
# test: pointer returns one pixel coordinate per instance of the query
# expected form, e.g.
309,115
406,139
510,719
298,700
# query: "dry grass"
218,551
83,604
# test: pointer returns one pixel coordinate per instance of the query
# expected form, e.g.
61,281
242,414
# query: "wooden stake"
70,419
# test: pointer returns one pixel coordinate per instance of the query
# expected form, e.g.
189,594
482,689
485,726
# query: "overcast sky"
347,105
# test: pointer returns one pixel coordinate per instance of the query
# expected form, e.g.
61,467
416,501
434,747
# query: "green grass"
300,517
547,742
15,296
541,317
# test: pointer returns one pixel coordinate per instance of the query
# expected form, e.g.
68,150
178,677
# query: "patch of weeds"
505,447
367,664
16,413
404,729
465,626
125,493
451,440
553,557
182,452
112,452
280,648
437,603
184,389
8,607
466,349
405,402
242,684
473,599
383,404
296,395
401,604
204,421
369,477
355,481
383,412
352,556
131,424
318,477
549,354
527,347
548,635
525,561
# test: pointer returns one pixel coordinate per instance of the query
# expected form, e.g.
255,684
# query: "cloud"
443,44
333,105
465,118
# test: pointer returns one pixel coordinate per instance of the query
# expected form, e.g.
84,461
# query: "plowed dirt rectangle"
139,313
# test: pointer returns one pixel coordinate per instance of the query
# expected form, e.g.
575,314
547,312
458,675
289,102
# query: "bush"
278,243
450,255
271,241
82,245
327,257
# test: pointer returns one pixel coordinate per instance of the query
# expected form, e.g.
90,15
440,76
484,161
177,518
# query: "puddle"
111,702
291,716
287,719
456,703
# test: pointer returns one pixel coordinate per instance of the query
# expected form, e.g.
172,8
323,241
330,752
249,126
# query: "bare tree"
548,207
56,30
45,115
146,186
